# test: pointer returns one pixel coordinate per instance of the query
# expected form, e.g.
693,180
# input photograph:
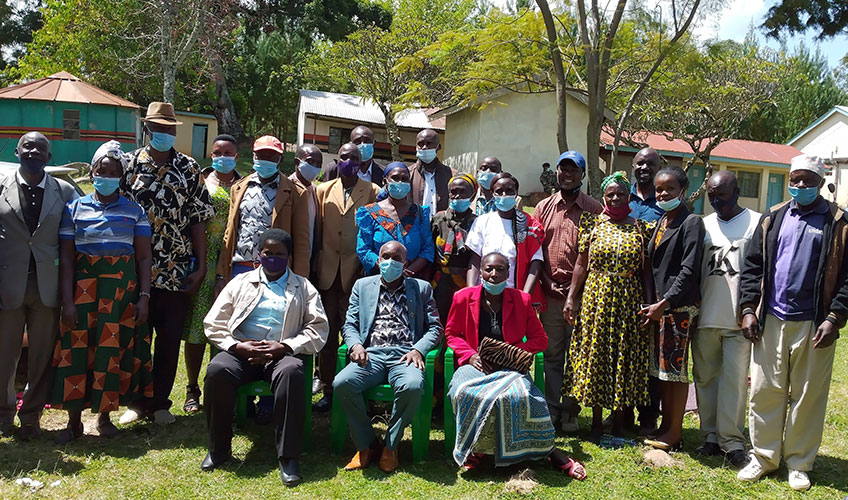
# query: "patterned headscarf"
393,166
111,149
619,178
465,176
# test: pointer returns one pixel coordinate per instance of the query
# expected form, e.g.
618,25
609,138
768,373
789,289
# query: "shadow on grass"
16,461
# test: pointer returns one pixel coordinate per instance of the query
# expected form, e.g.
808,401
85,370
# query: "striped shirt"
391,324
103,230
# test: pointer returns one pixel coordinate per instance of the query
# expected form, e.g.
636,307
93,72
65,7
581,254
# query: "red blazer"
519,320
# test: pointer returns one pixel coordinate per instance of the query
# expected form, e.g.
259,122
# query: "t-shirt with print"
725,245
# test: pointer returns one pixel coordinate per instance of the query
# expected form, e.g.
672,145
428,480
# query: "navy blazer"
423,315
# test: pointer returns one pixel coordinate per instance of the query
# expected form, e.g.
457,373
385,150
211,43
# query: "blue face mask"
398,190
390,270
460,206
494,288
426,155
485,177
160,141
803,196
224,164
265,168
106,185
366,151
308,171
669,205
504,203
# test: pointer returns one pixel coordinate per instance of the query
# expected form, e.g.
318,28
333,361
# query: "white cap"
811,163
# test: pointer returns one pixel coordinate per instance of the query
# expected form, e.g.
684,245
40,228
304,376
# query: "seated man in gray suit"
392,323
31,207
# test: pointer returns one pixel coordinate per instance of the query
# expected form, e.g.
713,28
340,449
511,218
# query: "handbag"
497,355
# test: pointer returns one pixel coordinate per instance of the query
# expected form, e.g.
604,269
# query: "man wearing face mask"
338,264
369,170
484,200
308,160
643,200
429,176
392,323
720,353
793,299
169,187
560,214
30,213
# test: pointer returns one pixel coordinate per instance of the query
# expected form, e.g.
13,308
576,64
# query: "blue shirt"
265,321
103,230
796,262
647,209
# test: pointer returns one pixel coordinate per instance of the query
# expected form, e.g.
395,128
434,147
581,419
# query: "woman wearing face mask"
218,179
450,232
102,356
674,251
610,349
487,395
513,233
395,219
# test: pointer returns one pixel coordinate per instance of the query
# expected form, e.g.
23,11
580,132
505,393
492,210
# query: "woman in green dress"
609,352
218,178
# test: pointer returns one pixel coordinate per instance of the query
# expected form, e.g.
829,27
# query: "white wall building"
827,137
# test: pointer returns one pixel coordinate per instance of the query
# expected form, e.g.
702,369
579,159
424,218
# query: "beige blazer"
305,326
339,230
16,243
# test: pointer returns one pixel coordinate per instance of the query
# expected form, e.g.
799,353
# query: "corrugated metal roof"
63,87
362,109
735,149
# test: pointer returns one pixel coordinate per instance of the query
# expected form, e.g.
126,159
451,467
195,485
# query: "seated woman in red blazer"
505,314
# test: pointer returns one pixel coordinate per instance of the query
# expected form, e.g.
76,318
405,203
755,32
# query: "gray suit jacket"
16,243
423,315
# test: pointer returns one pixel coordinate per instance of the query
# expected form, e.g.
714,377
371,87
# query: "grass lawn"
147,461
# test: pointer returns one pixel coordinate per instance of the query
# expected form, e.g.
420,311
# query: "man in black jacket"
793,301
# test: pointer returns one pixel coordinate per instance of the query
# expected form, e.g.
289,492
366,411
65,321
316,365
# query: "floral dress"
193,333
609,355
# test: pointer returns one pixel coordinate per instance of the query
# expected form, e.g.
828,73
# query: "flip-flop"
573,468
472,461
192,400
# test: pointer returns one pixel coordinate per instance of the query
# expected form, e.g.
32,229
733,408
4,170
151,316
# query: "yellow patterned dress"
609,356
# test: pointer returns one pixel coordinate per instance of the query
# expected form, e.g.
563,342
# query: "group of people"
397,261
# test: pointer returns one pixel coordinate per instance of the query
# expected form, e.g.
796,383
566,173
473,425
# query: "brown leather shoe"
360,460
388,460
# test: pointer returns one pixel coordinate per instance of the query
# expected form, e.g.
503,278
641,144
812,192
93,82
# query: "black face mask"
572,191
33,165
721,205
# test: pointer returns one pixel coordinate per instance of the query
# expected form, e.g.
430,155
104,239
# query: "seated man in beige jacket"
264,321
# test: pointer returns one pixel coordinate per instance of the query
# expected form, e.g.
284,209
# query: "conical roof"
63,87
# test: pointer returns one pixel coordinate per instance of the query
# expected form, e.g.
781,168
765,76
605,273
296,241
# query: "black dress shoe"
324,404
29,431
709,449
290,471
209,463
738,458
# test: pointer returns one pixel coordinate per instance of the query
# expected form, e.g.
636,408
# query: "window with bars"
71,124
749,184
338,136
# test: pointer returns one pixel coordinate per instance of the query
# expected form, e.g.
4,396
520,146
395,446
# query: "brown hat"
161,113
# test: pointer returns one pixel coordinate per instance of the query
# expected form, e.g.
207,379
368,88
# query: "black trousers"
227,372
168,313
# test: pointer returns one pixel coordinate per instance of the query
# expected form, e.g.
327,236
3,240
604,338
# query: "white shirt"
430,198
491,233
725,245
366,176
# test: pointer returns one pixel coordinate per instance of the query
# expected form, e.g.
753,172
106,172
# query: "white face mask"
308,171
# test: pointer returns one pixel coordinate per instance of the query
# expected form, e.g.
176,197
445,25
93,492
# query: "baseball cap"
573,156
268,142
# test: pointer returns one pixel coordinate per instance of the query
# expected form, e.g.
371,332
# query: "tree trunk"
559,71
224,111
169,82
392,133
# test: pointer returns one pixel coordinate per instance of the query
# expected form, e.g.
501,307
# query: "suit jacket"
316,237
290,205
331,171
443,176
338,224
676,261
519,320
16,243
423,315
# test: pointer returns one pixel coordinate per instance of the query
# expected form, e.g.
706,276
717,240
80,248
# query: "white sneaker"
569,424
751,472
317,385
163,417
799,480
129,417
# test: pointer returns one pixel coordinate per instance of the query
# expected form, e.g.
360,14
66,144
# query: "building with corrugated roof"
327,118
827,137
76,116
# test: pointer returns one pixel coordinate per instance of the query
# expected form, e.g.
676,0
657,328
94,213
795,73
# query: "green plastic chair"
262,388
450,418
420,422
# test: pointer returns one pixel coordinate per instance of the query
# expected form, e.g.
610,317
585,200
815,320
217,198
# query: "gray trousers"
556,356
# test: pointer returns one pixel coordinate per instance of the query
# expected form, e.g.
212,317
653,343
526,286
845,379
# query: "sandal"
573,468
106,428
472,461
192,400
